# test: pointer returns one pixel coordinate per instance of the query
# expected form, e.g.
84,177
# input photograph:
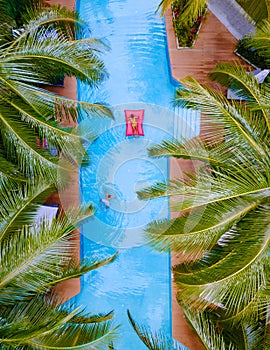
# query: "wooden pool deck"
214,44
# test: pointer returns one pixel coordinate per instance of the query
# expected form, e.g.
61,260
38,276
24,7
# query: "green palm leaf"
245,84
18,205
215,334
50,106
206,330
228,120
31,15
191,11
228,282
41,324
9,171
213,153
153,341
68,22
24,151
261,40
46,248
186,149
192,234
256,10
163,6
43,50
58,54
75,270
32,128
211,187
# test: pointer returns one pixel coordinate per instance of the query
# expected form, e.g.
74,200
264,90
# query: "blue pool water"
139,78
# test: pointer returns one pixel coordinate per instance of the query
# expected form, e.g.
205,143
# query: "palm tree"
36,256
31,56
223,226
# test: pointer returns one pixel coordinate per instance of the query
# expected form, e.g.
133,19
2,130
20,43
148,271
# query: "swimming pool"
140,278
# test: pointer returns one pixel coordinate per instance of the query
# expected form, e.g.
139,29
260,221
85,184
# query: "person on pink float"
134,124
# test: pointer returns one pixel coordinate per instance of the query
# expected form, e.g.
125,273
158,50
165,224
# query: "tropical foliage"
35,257
190,11
257,10
252,47
31,56
222,231
153,341
260,41
250,54
186,28
187,17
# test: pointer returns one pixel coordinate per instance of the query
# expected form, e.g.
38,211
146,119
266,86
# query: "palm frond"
193,234
51,106
60,56
153,341
214,186
192,9
23,151
185,149
41,324
75,270
227,282
84,318
261,40
62,139
32,16
68,22
9,172
99,336
207,330
18,205
46,248
245,84
213,153
163,6
225,116
266,340
43,50
256,10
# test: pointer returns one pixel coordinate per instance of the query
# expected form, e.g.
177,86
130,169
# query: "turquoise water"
139,78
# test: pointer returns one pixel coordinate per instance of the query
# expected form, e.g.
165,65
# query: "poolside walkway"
214,44
232,16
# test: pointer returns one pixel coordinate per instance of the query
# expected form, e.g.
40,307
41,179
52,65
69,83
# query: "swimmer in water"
106,200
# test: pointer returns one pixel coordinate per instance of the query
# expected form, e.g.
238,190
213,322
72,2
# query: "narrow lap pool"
139,279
